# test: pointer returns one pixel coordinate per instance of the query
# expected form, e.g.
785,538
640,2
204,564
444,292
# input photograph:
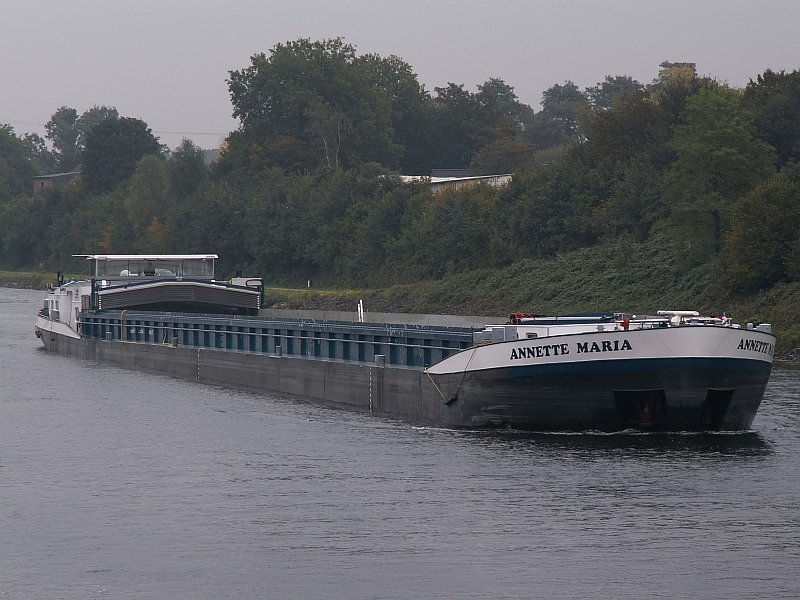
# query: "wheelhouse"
137,266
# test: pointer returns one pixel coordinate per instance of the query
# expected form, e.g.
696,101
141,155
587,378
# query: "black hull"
663,395
655,394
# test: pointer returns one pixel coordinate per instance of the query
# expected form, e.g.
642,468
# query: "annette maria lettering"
562,349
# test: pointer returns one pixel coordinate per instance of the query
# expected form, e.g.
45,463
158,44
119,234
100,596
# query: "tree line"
307,186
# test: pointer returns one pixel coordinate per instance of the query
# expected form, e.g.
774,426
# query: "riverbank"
23,280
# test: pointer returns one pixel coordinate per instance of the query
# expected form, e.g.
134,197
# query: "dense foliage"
686,185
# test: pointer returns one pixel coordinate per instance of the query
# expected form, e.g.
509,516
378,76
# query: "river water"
115,484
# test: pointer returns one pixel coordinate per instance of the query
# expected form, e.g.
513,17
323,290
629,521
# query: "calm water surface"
115,484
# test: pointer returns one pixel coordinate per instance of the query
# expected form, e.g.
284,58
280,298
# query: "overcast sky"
167,61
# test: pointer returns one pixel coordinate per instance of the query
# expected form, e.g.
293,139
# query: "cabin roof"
147,256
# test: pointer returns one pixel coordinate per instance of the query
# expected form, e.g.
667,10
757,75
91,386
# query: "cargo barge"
674,371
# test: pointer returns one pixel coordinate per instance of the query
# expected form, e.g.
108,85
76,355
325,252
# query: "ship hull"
673,393
649,394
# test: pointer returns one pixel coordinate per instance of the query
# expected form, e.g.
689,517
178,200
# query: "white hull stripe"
669,343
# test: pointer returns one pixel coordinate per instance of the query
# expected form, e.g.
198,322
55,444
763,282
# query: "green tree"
634,204
32,227
720,157
628,146
762,247
374,223
44,159
504,155
62,131
458,125
339,244
147,197
502,147
774,99
502,114
490,123
445,233
187,169
101,225
634,125
718,148
675,84
17,164
411,109
317,100
603,95
113,147
17,237
89,119
67,132
557,122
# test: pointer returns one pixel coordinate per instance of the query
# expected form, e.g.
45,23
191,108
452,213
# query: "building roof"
476,178
59,177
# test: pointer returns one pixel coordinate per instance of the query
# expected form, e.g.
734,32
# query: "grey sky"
167,61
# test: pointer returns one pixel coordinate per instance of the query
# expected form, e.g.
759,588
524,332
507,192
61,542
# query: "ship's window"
531,336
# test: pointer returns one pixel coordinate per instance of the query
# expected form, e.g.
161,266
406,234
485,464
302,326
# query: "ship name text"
604,346
563,349
756,346
539,351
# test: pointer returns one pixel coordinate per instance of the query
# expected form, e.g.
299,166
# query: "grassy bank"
26,280
313,298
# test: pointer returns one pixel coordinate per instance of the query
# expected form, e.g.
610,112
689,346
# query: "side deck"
400,344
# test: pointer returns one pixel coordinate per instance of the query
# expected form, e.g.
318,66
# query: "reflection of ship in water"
675,371
661,445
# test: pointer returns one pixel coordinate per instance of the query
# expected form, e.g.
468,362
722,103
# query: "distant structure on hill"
453,179
54,181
